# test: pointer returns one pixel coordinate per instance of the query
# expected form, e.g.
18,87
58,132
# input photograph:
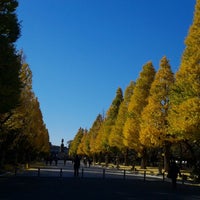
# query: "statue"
62,146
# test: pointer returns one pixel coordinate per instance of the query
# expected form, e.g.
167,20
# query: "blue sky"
81,51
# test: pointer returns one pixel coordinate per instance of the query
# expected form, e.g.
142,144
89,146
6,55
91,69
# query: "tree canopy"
9,60
137,103
184,117
154,124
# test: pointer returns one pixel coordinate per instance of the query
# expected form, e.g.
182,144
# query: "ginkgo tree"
184,116
10,84
26,134
137,103
93,132
102,139
116,136
76,142
163,111
154,123
83,147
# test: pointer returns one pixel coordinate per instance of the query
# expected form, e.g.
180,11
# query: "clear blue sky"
81,51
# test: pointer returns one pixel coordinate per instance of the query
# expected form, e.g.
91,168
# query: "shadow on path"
33,188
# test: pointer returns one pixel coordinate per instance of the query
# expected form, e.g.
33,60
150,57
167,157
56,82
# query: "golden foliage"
137,103
185,121
154,125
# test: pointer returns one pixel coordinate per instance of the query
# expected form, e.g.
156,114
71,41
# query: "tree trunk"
144,159
126,157
167,154
106,159
160,162
2,160
93,159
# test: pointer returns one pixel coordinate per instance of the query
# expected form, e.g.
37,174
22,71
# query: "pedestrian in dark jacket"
173,173
76,165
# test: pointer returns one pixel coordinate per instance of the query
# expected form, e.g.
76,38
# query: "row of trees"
23,135
157,117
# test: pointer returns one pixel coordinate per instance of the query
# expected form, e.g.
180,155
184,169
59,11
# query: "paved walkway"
88,187
45,188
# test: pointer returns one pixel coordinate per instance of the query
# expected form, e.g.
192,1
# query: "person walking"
173,174
76,165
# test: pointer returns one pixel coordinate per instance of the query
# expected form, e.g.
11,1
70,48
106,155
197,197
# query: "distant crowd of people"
53,160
